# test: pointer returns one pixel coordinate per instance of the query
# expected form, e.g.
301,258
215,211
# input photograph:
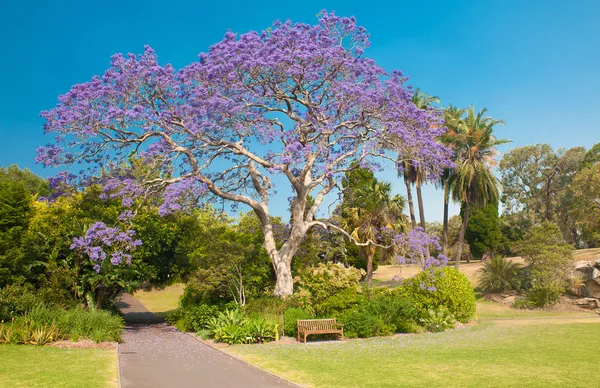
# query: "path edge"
118,366
241,360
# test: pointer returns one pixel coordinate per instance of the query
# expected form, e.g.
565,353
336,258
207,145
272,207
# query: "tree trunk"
461,239
370,254
548,214
411,206
284,285
420,201
445,226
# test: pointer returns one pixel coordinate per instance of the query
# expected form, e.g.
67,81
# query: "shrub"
234,327
44,324
290,319
542,295
395,310
261,330
337,303
15,300
362,324
317,284
548,258
438,320
499,275
435,289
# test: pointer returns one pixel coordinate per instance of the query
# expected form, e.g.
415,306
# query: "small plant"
438,320
44,335
261,330
500,275
234,335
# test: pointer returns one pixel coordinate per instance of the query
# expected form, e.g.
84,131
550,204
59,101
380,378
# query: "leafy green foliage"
499,275
291,317
362,324
438,320
483,230
316,285
43,324
444,288
549,257
235,327
194,318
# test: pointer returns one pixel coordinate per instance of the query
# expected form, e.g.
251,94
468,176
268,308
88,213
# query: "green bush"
15,300
395,310
499,275
436,289
362,324
548,257
235,327
316,285
438,320
542,295
291,317
337,303
42,323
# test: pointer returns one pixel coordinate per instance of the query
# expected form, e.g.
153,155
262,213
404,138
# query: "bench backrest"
317,324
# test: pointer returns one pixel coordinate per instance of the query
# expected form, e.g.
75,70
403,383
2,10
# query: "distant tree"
533,178
371,211
15,212
33,183
483,231
473,181
592,157
585,189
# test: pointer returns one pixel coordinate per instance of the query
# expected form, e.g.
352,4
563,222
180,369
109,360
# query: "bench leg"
305,335
298,336
342,335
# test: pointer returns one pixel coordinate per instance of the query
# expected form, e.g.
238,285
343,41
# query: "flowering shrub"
441,288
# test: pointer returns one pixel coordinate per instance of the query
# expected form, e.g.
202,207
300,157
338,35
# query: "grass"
35,366
537,354
487,310
161,301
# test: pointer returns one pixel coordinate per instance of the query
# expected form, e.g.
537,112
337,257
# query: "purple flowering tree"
297,101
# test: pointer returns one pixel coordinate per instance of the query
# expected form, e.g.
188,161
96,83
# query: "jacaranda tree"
297,101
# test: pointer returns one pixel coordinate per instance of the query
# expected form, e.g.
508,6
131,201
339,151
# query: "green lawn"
506,354
161,301
34,366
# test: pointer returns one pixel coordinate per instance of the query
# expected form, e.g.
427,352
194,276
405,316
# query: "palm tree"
414,174
371,210
473,180
452,117
409,173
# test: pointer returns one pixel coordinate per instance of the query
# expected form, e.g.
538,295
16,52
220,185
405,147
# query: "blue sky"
532,63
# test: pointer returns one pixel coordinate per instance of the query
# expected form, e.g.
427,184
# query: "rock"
510,300
587,303
587,278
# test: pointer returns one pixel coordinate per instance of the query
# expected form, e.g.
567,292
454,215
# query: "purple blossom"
100,241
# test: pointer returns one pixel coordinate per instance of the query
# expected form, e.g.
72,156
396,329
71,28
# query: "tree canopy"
297,101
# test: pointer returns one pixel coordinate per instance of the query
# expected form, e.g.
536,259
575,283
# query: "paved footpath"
155,354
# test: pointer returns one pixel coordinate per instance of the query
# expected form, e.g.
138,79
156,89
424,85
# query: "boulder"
587,278
587,303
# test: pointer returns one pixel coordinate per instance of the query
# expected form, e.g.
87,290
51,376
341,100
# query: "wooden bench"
319,326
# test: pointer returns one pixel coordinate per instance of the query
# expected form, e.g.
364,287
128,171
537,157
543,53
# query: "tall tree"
307,91
536,180
534,176
474,182
370,212
452,117
414,173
